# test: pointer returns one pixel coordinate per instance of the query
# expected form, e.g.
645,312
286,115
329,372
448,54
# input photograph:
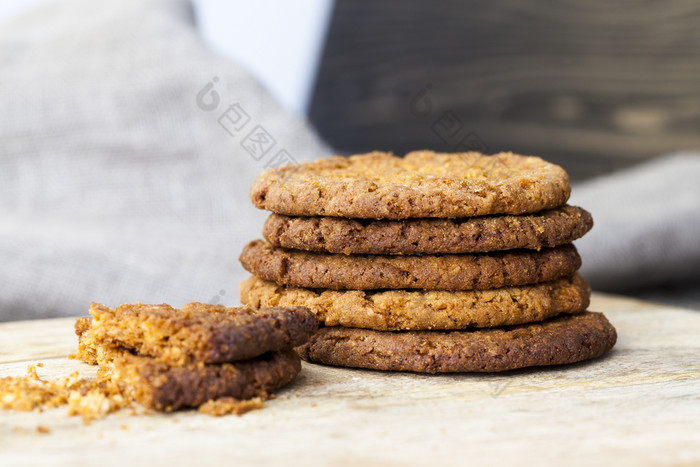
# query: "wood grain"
640,405
592,85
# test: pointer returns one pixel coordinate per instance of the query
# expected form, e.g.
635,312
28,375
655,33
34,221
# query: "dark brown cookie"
429,272
380,185
466,235
160,386
426,309
560,340
195,333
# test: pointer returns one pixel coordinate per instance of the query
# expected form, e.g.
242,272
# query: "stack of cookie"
167,358
429,263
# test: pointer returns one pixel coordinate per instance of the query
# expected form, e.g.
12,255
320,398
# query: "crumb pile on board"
221,360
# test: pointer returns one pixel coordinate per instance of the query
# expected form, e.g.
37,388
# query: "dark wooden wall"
594,85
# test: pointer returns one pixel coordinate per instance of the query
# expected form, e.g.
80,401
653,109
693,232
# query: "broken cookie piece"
159,386
195,333
167,358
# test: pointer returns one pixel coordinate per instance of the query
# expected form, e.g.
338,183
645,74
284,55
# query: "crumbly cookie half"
561,340
379,185
160,386
430,272
426,309
195,333
544,229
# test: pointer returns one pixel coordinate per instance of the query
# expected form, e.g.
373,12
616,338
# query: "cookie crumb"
88,398
229,405
31,371
43,429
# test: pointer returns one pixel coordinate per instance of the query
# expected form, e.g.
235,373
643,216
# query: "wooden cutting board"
639,405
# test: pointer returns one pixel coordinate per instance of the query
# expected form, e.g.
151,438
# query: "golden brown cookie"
195,333
431,272
565,339
379,185
160,386
548,228
425,310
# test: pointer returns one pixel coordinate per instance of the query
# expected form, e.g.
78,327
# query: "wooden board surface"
640,405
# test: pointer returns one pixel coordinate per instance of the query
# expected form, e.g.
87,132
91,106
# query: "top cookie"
379,185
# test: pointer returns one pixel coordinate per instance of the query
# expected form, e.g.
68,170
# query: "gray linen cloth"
647,225
127,150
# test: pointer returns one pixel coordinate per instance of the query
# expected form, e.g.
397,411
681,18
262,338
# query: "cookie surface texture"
379,185
160,386
549,228
443,272
425,309
195,333
561,340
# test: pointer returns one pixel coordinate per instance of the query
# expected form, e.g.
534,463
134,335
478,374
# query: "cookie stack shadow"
427,263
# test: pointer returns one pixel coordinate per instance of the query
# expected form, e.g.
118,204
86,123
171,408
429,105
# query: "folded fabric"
128,149
647,225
